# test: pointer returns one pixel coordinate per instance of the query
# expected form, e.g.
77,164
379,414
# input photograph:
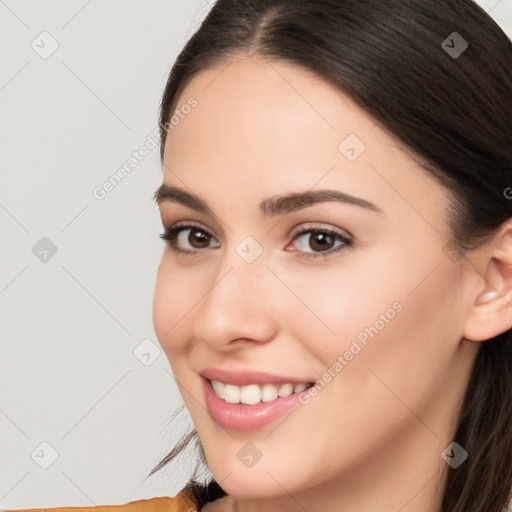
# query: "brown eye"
196,236
188,239
321,242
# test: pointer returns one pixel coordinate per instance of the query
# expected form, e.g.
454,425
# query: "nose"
239,307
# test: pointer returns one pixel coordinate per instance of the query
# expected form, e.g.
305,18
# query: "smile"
254,393
266,404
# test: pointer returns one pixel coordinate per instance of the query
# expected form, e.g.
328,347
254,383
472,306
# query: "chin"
252,486
266,479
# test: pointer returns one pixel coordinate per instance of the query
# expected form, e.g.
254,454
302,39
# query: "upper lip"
246,377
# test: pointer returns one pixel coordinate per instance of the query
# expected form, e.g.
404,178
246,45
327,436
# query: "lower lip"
245,417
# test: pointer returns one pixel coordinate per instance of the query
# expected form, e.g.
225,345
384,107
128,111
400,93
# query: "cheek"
174,297
390,317
342,305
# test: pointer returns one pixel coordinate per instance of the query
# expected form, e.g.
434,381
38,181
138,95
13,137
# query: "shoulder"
182,502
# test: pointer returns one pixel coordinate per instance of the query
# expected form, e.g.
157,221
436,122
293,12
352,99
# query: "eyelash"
170,235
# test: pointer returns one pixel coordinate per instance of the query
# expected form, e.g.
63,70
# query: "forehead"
257,102
263,127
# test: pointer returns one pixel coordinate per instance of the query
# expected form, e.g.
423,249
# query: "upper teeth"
253,393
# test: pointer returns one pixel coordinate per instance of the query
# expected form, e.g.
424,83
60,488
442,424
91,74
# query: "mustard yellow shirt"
182,502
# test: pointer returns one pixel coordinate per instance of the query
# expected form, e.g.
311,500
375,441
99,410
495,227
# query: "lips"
242,417
246,377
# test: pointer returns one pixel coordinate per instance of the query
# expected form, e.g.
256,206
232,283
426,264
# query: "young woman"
334,296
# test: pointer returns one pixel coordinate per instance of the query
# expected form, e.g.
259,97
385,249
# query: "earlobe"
491,313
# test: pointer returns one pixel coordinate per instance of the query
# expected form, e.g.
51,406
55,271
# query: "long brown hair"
452,112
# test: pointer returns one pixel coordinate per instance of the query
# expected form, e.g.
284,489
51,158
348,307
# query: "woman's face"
381,313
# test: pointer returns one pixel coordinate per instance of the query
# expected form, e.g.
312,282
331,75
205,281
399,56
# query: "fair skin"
372,439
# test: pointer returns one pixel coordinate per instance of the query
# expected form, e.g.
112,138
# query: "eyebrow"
276,205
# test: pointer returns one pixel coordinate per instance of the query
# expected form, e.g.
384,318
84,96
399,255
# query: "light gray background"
69,326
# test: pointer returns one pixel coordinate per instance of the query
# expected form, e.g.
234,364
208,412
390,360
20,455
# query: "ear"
491,313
